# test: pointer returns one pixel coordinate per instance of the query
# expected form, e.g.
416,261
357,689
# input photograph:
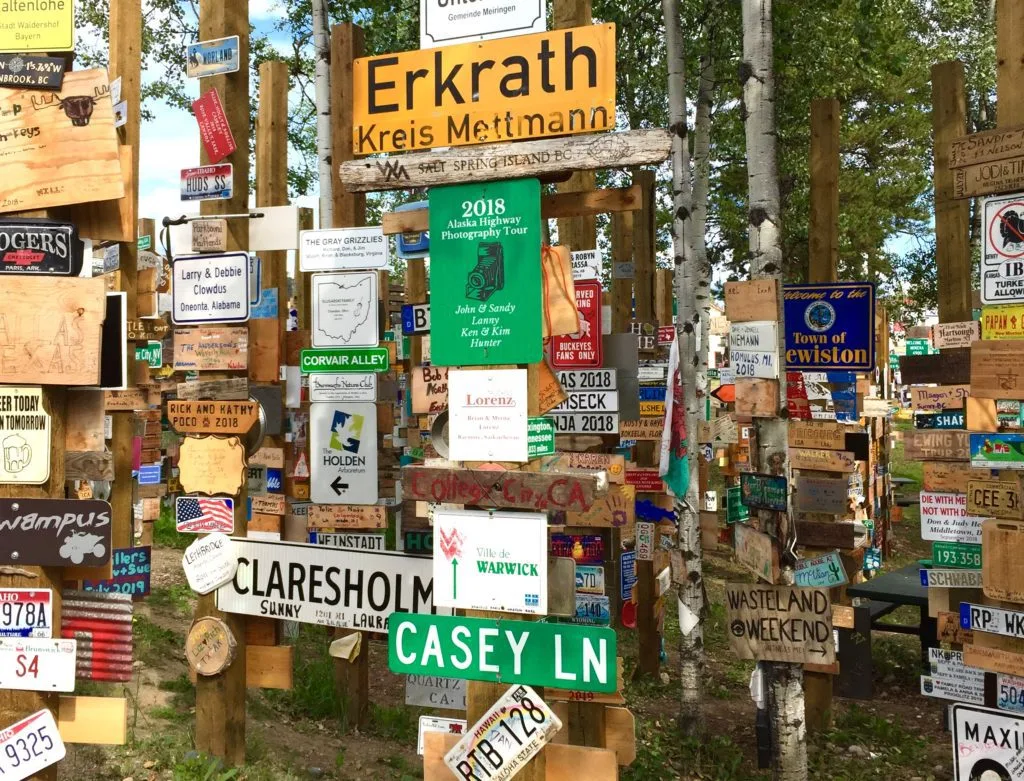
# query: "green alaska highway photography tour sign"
353,359
485,275
565,656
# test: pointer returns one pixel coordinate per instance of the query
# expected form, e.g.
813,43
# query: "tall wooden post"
649,658
824,218
823,266
952,216
351,678
220,699
126,64
577,233
621,287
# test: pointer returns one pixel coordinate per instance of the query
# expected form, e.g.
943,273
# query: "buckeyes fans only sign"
582,350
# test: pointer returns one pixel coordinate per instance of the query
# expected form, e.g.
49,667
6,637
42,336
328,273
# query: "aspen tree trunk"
785,681
701,179
322,53
687,278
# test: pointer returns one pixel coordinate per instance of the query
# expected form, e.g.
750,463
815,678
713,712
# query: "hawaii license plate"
29,746
26,612
505,738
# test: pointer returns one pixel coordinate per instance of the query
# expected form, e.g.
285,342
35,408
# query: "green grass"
313,694
397,723
180,598
153,643
166,535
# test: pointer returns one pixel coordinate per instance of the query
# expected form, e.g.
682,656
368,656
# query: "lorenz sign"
314,584
530,86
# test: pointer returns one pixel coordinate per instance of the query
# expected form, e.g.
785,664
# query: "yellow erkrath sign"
529,86
36,25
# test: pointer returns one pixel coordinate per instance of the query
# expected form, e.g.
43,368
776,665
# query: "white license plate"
29,746
518,726
37,665
26,612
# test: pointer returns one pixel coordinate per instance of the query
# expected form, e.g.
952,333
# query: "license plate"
592,609
589,579
1010,693
26,612
29,746
505,738
37,665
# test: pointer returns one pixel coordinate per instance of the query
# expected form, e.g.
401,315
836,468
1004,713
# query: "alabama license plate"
29,746
505,738
37,665
26,612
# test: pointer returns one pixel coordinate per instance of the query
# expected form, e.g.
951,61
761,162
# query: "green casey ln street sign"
581,658
338,360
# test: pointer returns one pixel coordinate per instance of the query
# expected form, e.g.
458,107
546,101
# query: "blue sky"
171,141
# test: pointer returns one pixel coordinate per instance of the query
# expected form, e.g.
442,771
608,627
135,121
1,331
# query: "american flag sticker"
198,514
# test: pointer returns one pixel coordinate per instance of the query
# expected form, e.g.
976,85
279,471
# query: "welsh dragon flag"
674,467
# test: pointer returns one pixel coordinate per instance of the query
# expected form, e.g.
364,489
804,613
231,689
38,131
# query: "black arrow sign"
339,486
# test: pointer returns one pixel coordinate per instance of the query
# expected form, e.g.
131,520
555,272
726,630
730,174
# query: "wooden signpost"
212,417
482,488
507,161
780,623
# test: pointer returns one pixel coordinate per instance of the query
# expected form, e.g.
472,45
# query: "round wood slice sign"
210,646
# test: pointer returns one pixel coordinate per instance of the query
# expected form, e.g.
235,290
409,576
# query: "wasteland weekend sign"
830,326
315,584
529,86
485,296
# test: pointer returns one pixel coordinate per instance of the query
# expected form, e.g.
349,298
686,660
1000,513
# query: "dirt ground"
897,735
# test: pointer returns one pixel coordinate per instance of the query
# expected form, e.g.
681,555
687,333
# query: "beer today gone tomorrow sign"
581,658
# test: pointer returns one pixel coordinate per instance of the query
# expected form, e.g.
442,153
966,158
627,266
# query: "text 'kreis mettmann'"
531,86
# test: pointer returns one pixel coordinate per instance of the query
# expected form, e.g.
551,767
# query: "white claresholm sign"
339,249
210,288
491,561
209,563
343,452
345,310
987,744
314,584
24,436
444,22
487,415
1002,261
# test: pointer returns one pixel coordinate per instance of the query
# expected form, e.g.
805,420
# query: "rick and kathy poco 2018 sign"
830,326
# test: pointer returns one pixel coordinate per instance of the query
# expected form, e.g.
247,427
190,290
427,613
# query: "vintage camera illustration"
488,275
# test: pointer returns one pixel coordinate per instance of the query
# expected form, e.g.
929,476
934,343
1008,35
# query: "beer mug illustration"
17,453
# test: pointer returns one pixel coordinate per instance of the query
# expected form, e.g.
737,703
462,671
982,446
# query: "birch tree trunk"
785,681
701,179
687,278
322,75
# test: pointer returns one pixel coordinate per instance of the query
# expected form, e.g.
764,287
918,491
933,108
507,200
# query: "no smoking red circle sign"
1004,228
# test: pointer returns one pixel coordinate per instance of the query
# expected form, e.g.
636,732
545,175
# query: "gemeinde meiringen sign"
315,584
529,86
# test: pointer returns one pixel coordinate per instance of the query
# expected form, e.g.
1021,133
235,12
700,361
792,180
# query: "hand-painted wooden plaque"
59,147
211,465
210,646
50,328
212,348
212,417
